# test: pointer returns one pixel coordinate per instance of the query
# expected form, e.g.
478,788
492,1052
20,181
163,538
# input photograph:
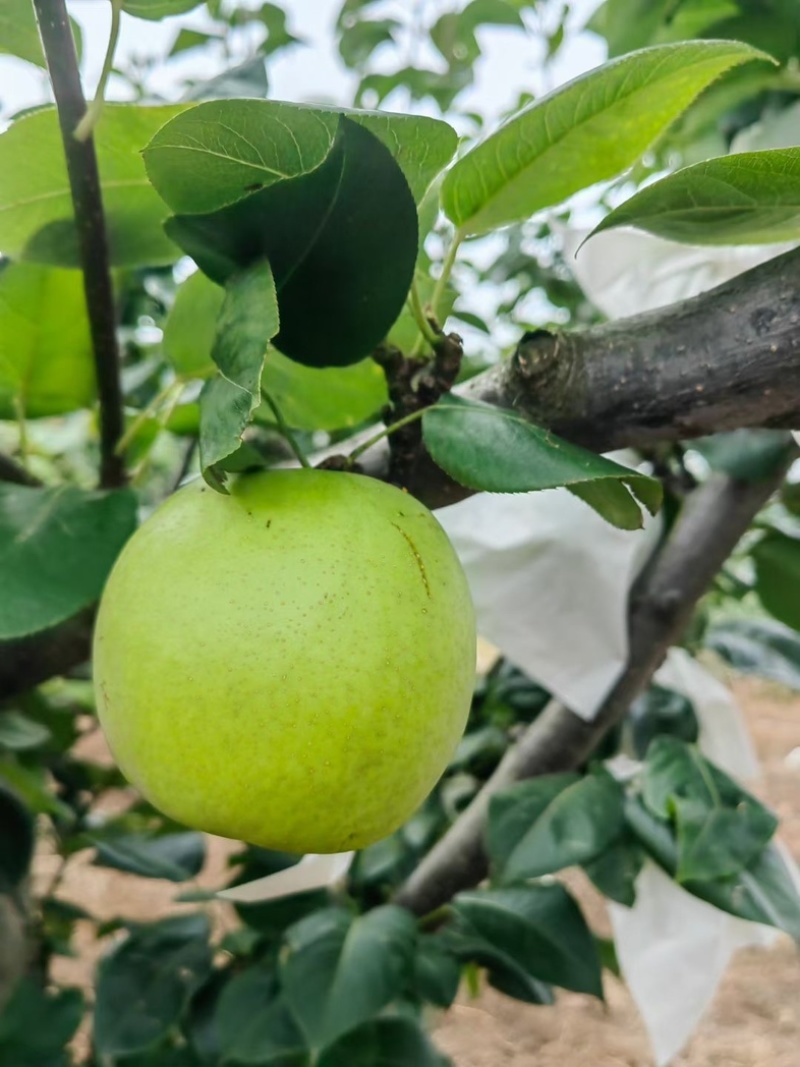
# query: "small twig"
186,463
286,432
11,471
444,277
87,202
87,124
393,427
425,328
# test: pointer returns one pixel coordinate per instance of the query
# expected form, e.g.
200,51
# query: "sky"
511,63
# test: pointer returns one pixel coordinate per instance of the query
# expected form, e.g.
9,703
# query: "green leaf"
36,215
19,34
358,41
338,255
222,151
541,928
324,398
158,9
340,971
615,870
46,365
176,857
310,398
758,646
721,828
503,971
383,1043
437,972
247,321
777,560
57,547
589,130
17,839
36,1025
32,787
254,1025
18,733
145,983
191,326
661,711
493,449
612,501
239,146
747,455
744,199
545,824
763,892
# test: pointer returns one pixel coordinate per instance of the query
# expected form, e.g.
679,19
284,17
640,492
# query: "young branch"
84,180
714,518
11,471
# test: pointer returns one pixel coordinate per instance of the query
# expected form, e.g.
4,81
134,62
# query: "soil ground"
754,1021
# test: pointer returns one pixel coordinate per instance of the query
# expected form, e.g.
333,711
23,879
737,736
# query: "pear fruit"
290,665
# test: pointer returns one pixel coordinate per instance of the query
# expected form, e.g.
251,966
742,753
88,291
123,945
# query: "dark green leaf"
16,838
583,132
777,560
747,198
19,733
382,1043
175,857
57,547
748,455
338,256
35,198
612,501
254,1025
19,34
247,321
661,711
615,870
721,828
548,823
46,366
541,928
504,972
341,971
762,892
32,787
36,1025
145,984
758,646
437,972
493,449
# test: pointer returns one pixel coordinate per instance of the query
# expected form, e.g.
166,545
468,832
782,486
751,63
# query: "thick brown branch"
727,359
715,516
84,180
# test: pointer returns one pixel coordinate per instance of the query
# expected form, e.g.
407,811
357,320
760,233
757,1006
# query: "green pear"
290,665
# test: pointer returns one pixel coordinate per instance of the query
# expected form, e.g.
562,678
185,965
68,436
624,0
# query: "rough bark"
714,518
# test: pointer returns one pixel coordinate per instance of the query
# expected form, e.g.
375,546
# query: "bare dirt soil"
754,1021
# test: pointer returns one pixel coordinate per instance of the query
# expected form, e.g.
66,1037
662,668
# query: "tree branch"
727,359
84,180
29,661
11,471
713,520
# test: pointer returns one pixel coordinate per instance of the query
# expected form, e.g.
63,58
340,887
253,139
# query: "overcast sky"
511,63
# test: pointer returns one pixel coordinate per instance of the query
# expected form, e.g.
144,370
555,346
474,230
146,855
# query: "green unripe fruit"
291,665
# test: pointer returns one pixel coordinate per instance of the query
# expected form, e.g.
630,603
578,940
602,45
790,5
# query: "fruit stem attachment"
87,124
428,332
286,433
362,448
